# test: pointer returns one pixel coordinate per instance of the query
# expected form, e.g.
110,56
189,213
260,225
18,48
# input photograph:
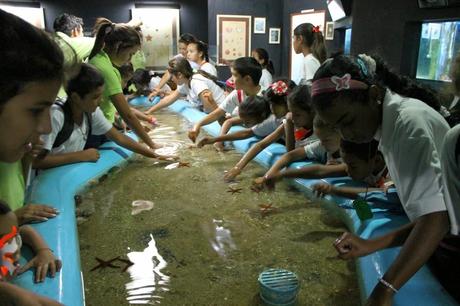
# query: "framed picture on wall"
233,37
32,15
431,3
259,25
274,36
329,32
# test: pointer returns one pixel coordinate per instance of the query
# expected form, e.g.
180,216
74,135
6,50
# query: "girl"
277,97
197,52
27,91
81,113
261,55
309,41
364,100
324,151
114,46
201,89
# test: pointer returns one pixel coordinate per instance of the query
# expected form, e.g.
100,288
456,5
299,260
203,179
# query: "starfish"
265,209
256,188
234,190
183,165
128,263
105,263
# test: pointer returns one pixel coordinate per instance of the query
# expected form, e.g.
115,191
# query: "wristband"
388,285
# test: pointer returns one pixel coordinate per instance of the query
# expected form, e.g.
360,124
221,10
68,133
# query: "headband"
336,83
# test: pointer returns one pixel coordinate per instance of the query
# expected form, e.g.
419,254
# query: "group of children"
350,114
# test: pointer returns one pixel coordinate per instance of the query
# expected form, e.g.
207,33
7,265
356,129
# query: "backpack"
67,129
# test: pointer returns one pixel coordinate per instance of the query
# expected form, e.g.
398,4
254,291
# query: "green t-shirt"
81,46
138,60
112,83
12,184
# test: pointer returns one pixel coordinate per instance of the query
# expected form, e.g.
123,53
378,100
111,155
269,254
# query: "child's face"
183,49
28,115
241,83
329,138
124,55
357,168
10,252
193,54
278,110
297,44
90,101
249,121
179,78
300,117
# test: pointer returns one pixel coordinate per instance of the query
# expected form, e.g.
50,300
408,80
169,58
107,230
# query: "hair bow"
341,82
279,88
315,29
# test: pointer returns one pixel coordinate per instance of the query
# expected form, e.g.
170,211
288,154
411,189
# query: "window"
347,44
439,44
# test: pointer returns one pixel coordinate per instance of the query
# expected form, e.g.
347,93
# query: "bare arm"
286,159
289,134
211,117
314,171
128,143
55,160
209,104
238,135
125,112
351,192
165,102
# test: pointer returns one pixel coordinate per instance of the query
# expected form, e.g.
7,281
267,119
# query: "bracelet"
388,285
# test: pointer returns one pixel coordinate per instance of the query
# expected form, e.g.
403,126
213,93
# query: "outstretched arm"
165,102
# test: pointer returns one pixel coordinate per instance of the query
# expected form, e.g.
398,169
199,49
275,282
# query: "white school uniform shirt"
450,163
209,68
317,152
231,102
309,66
266,79
410,139
198,84
267,126
77,140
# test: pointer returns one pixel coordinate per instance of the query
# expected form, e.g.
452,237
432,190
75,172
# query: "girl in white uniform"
261,55
197,52
365,101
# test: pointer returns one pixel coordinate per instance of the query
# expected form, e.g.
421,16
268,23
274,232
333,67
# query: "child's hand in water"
155,92
205,141
270,181
321,189
45,264
89,155
193,134
232,174
350,246
35,213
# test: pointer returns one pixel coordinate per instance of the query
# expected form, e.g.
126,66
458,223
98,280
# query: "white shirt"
309,66
411,137
232,101
209,68
450,162
77,140
266,79
317,152
267,126
198,84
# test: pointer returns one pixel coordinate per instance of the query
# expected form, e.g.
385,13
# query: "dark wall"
193,13
271,9
391,28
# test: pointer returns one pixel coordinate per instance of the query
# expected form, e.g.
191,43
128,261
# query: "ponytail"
203,48
113,36
312,38
268,64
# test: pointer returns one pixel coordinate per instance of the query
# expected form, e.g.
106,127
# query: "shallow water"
198,244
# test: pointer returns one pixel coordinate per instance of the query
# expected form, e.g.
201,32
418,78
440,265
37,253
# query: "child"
325,151
364,100
114,46
197,52
364,164
309,41
201,88
75,120
246,73
261,56
277,97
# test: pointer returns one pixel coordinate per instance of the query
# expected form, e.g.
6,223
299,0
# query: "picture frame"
233,37
329,32
259,25
34,16
431,3
274,36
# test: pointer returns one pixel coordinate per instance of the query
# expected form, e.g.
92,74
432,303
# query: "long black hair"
268,64
300,98
201,47
88,80
313,39
372,71
182,65
30,56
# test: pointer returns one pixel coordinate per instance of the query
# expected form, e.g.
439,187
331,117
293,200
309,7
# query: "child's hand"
90,155
232,174
350,246
219,146
259,181
45,264
321,189
15,295
270,181
205,141
155,92
193,134
35,213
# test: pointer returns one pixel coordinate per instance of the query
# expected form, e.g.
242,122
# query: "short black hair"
248,66
86,81
141,76
187,38
65,23
4,208
363,151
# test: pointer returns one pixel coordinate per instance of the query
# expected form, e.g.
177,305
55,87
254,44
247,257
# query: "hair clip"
315,29
279,88
341,83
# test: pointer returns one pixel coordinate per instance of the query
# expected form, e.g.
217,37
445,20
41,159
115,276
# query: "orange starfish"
265,209
183,165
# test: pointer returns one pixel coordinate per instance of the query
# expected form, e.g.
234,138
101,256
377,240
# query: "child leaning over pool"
325,151
73,121
44,261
